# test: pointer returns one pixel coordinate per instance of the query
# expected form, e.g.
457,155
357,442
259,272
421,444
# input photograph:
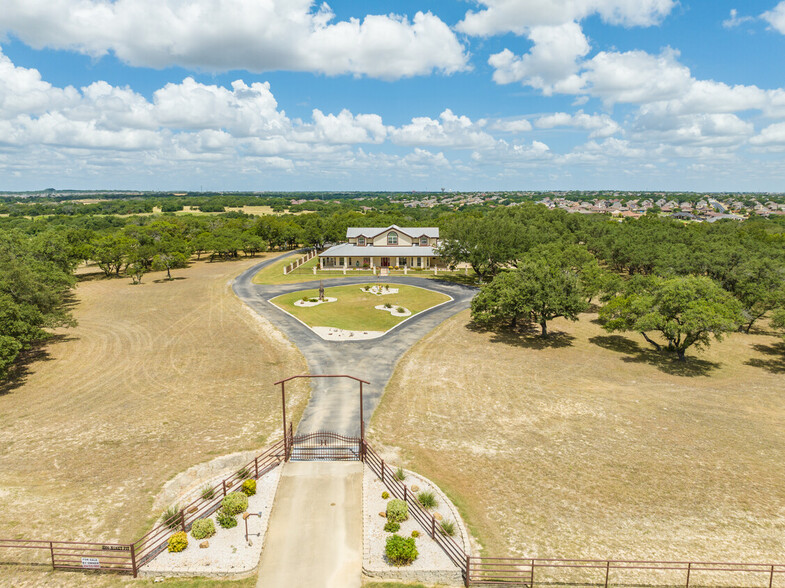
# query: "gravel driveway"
334,403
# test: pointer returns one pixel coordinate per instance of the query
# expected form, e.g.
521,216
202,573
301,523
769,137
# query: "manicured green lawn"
354,310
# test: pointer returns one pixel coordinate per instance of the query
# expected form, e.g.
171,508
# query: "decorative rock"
437,516
193,509
204,545
415,488
246,515
383,514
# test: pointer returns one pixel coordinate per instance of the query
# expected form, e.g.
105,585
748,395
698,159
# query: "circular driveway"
334,403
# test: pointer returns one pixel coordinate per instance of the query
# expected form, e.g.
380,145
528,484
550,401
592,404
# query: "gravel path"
228,553
333,405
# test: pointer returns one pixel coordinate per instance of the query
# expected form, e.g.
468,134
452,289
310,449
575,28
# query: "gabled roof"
431,232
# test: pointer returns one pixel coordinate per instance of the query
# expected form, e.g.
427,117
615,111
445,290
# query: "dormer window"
361,241
392,238
423,240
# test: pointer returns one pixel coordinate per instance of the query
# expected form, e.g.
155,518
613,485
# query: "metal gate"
325,446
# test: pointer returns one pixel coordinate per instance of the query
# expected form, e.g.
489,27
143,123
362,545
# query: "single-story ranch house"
376,247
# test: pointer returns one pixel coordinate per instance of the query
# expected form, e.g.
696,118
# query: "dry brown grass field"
154,379
591,446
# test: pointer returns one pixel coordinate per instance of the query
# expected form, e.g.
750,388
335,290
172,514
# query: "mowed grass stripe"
354,310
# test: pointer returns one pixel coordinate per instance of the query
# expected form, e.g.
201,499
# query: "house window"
419,262
361,241
392,238
423,241
340,261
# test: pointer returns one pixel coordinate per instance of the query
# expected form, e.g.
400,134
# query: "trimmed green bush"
225,519
397,511
392,527
427,499
234,503
447,528
415,533
177,542
400,551
208,492
203,528
171,517
388,305
400,310
385,495
249,487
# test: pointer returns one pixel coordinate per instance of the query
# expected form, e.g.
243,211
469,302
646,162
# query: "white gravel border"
393,310
229,555
381,291
309,304
432,564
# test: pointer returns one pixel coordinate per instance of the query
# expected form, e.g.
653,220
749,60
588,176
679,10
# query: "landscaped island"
355,307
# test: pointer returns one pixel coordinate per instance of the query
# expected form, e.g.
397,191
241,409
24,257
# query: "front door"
385,262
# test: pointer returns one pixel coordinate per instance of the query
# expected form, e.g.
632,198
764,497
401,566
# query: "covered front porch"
373,262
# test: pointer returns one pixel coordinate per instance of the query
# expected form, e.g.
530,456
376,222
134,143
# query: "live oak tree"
778,320
683,311
759,284
538,291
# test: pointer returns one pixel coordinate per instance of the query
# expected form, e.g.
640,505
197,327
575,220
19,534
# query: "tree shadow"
776,365
664,361
22,367
173,279
526,336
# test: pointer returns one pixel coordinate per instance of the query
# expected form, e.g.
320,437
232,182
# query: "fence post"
689,569
466,578
133,559
52,553
405,493
223,482
182,519
256,466
383,480
607,572
771,577
433,527
532,577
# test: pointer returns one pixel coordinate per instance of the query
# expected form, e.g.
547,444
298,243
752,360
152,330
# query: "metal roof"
432,232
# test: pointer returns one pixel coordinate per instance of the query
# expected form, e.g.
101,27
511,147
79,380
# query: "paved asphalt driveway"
334,404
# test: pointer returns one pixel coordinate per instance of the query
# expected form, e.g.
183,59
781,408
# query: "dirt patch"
592,447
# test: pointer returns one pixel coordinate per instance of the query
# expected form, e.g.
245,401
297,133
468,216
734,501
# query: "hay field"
592,446
156,378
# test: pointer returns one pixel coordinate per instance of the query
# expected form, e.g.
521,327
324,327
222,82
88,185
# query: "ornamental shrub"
226,520
400,474
397,511
415,533
208,492
203,528
400,310
385,495
400,551
244,473
427,499
392,527
235,502
447,528
388,305
178,542
171,517
249,487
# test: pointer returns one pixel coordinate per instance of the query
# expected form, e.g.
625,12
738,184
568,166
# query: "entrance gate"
325,446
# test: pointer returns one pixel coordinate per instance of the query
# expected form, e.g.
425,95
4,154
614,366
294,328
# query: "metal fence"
508,571
79,555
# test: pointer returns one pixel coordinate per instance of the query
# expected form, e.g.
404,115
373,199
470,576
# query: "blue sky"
489,95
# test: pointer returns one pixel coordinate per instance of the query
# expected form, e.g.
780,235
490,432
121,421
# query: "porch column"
321,263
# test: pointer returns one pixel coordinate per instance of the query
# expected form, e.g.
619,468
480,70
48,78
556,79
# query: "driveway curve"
334,403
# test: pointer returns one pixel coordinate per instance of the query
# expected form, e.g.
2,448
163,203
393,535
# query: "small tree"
778,320
169,261
684,311
538,291
136,270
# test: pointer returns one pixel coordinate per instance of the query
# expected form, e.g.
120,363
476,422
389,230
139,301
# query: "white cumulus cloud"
776,17
222,35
